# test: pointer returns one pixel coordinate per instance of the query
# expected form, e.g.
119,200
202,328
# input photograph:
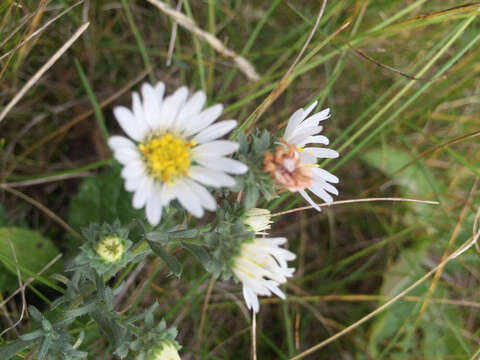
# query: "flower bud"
166,351
110,249
258,219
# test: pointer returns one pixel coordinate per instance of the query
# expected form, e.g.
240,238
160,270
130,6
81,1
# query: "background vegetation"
402,81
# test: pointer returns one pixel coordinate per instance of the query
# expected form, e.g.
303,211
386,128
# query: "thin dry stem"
353,201
286,79
31,279
14,31
243,64
173,36
79,118
451,241
42,71
47,179
43,208
204,312
254,335
38,31
362,298
24,301
464,247
427,152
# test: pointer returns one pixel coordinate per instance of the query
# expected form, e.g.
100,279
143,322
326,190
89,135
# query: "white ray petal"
215,131
188,199
309,200
191,110
317,139
320,173
126,155
214,148
134,169
321,193
139,113
292,124
309,109
322,152
251,299
204,119
133,128
171,107
151,104
206,199
300,136
144,192
154,206
223,164
210,177
119,142
330,188
133,182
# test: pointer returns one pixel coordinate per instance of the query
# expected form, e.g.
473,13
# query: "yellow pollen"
166,156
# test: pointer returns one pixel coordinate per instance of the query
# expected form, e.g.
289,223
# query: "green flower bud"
111,249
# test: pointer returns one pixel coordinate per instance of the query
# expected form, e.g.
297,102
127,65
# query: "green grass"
380,121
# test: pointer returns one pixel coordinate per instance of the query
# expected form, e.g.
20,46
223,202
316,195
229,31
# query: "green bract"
107,248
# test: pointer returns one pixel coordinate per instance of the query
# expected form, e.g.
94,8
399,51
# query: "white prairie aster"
261,266
294,164
175,151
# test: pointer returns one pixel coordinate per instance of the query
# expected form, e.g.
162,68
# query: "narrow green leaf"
171,261
158,236
184,234
200,253
9,350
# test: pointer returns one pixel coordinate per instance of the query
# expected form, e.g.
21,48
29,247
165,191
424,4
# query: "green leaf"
251,196
115,333
27,243
102,199
399,276
413,179
9,350
158,236
200,253
393,331
171,261
416,180
184,234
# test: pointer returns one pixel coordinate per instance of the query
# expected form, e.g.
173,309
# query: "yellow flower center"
167,156
110,249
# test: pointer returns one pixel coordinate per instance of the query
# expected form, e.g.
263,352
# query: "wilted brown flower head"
285,168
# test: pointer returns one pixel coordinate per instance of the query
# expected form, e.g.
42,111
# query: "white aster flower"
294,164
167,351
261,266
175,150
258,219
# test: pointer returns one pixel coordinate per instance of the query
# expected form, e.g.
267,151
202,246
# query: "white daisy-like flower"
294,164
173,151
167,351
261,266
